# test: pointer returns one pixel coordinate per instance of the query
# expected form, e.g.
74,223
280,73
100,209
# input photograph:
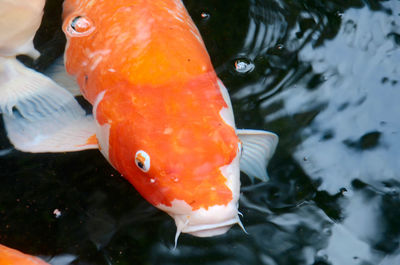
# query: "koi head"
182,159
201,197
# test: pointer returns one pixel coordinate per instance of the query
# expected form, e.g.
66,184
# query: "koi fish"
161,116
10,256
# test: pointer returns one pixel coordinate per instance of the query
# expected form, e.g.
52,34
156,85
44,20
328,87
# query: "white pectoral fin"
258,148
41,116
58,133
28,49
58,74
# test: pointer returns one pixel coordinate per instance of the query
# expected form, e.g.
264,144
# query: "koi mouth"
216,220
208,230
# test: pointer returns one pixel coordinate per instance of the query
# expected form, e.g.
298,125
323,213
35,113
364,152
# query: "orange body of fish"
145,69
10,256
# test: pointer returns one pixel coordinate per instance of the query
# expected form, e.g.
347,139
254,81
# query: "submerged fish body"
10,256
161,116
19,21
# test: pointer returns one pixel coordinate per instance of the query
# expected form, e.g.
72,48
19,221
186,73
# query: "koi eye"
80,26
142,160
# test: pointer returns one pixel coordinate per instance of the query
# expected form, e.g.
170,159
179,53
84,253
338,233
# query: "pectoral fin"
258,148
39,115
57,73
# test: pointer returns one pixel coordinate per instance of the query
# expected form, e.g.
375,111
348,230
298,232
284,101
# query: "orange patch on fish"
92,140
10,256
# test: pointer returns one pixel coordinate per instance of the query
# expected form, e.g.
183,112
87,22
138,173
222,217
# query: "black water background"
325,78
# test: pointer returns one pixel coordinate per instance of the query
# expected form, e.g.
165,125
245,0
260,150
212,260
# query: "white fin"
28,49
258,148
57,72
39,115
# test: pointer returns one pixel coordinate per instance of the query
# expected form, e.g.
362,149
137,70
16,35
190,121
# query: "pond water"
323,75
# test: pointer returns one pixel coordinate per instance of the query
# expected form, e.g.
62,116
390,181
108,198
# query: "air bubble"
280,46
244,65
205,15
57,213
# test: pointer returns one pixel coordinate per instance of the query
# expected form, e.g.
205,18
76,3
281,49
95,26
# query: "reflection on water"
323,75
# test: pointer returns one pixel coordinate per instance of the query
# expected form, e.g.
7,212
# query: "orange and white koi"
161,116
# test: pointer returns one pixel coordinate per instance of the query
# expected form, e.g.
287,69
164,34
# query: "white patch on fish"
102,131
226,113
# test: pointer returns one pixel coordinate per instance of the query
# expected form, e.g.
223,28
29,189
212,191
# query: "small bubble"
152,180
57,213
205,15
176,179
243,66
280,46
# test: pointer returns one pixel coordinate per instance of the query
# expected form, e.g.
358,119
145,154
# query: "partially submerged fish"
19,21
161,116
10,256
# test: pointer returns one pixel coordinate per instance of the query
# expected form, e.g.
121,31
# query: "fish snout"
215,220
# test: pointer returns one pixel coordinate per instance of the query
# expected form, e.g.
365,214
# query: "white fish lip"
215,220
208,230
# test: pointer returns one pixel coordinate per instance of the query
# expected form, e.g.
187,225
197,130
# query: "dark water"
324,75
